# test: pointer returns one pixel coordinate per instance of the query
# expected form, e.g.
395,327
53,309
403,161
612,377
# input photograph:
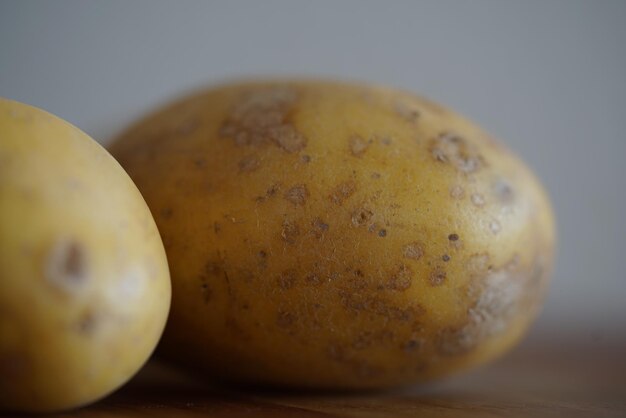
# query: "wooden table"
575,376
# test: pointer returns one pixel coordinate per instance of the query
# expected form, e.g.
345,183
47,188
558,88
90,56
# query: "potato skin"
332,235
84,281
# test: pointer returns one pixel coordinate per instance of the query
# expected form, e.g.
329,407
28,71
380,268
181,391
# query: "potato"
329,235
84,281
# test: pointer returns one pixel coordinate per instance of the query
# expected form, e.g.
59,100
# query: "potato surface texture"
84,281
330,235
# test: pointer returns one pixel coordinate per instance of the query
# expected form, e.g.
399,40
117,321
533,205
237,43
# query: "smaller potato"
84,282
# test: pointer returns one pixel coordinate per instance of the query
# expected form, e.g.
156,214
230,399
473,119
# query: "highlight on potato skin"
84,281
334,235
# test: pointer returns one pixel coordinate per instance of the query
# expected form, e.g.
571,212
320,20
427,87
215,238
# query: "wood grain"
555,377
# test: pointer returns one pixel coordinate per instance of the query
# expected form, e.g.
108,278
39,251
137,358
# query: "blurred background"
547,77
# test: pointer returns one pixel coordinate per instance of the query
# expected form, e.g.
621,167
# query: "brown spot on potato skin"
248,164
357,283
437,277
87,323
453,237
361,217
262,259
313,279
368,339
66,265
364,303
261,117
200,163
342,192
211,269
285,319
206,292
287,279
246,275
75,264
457,192
382,233
297,195
358,145
494,226
445,258
456,151
503,191
401,279
290,232
287,138
478,200
319,227
413,251
270,192
412,345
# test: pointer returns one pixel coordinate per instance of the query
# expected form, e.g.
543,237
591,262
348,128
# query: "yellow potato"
84,282
330,235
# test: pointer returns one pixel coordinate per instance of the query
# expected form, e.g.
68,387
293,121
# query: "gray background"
548,77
